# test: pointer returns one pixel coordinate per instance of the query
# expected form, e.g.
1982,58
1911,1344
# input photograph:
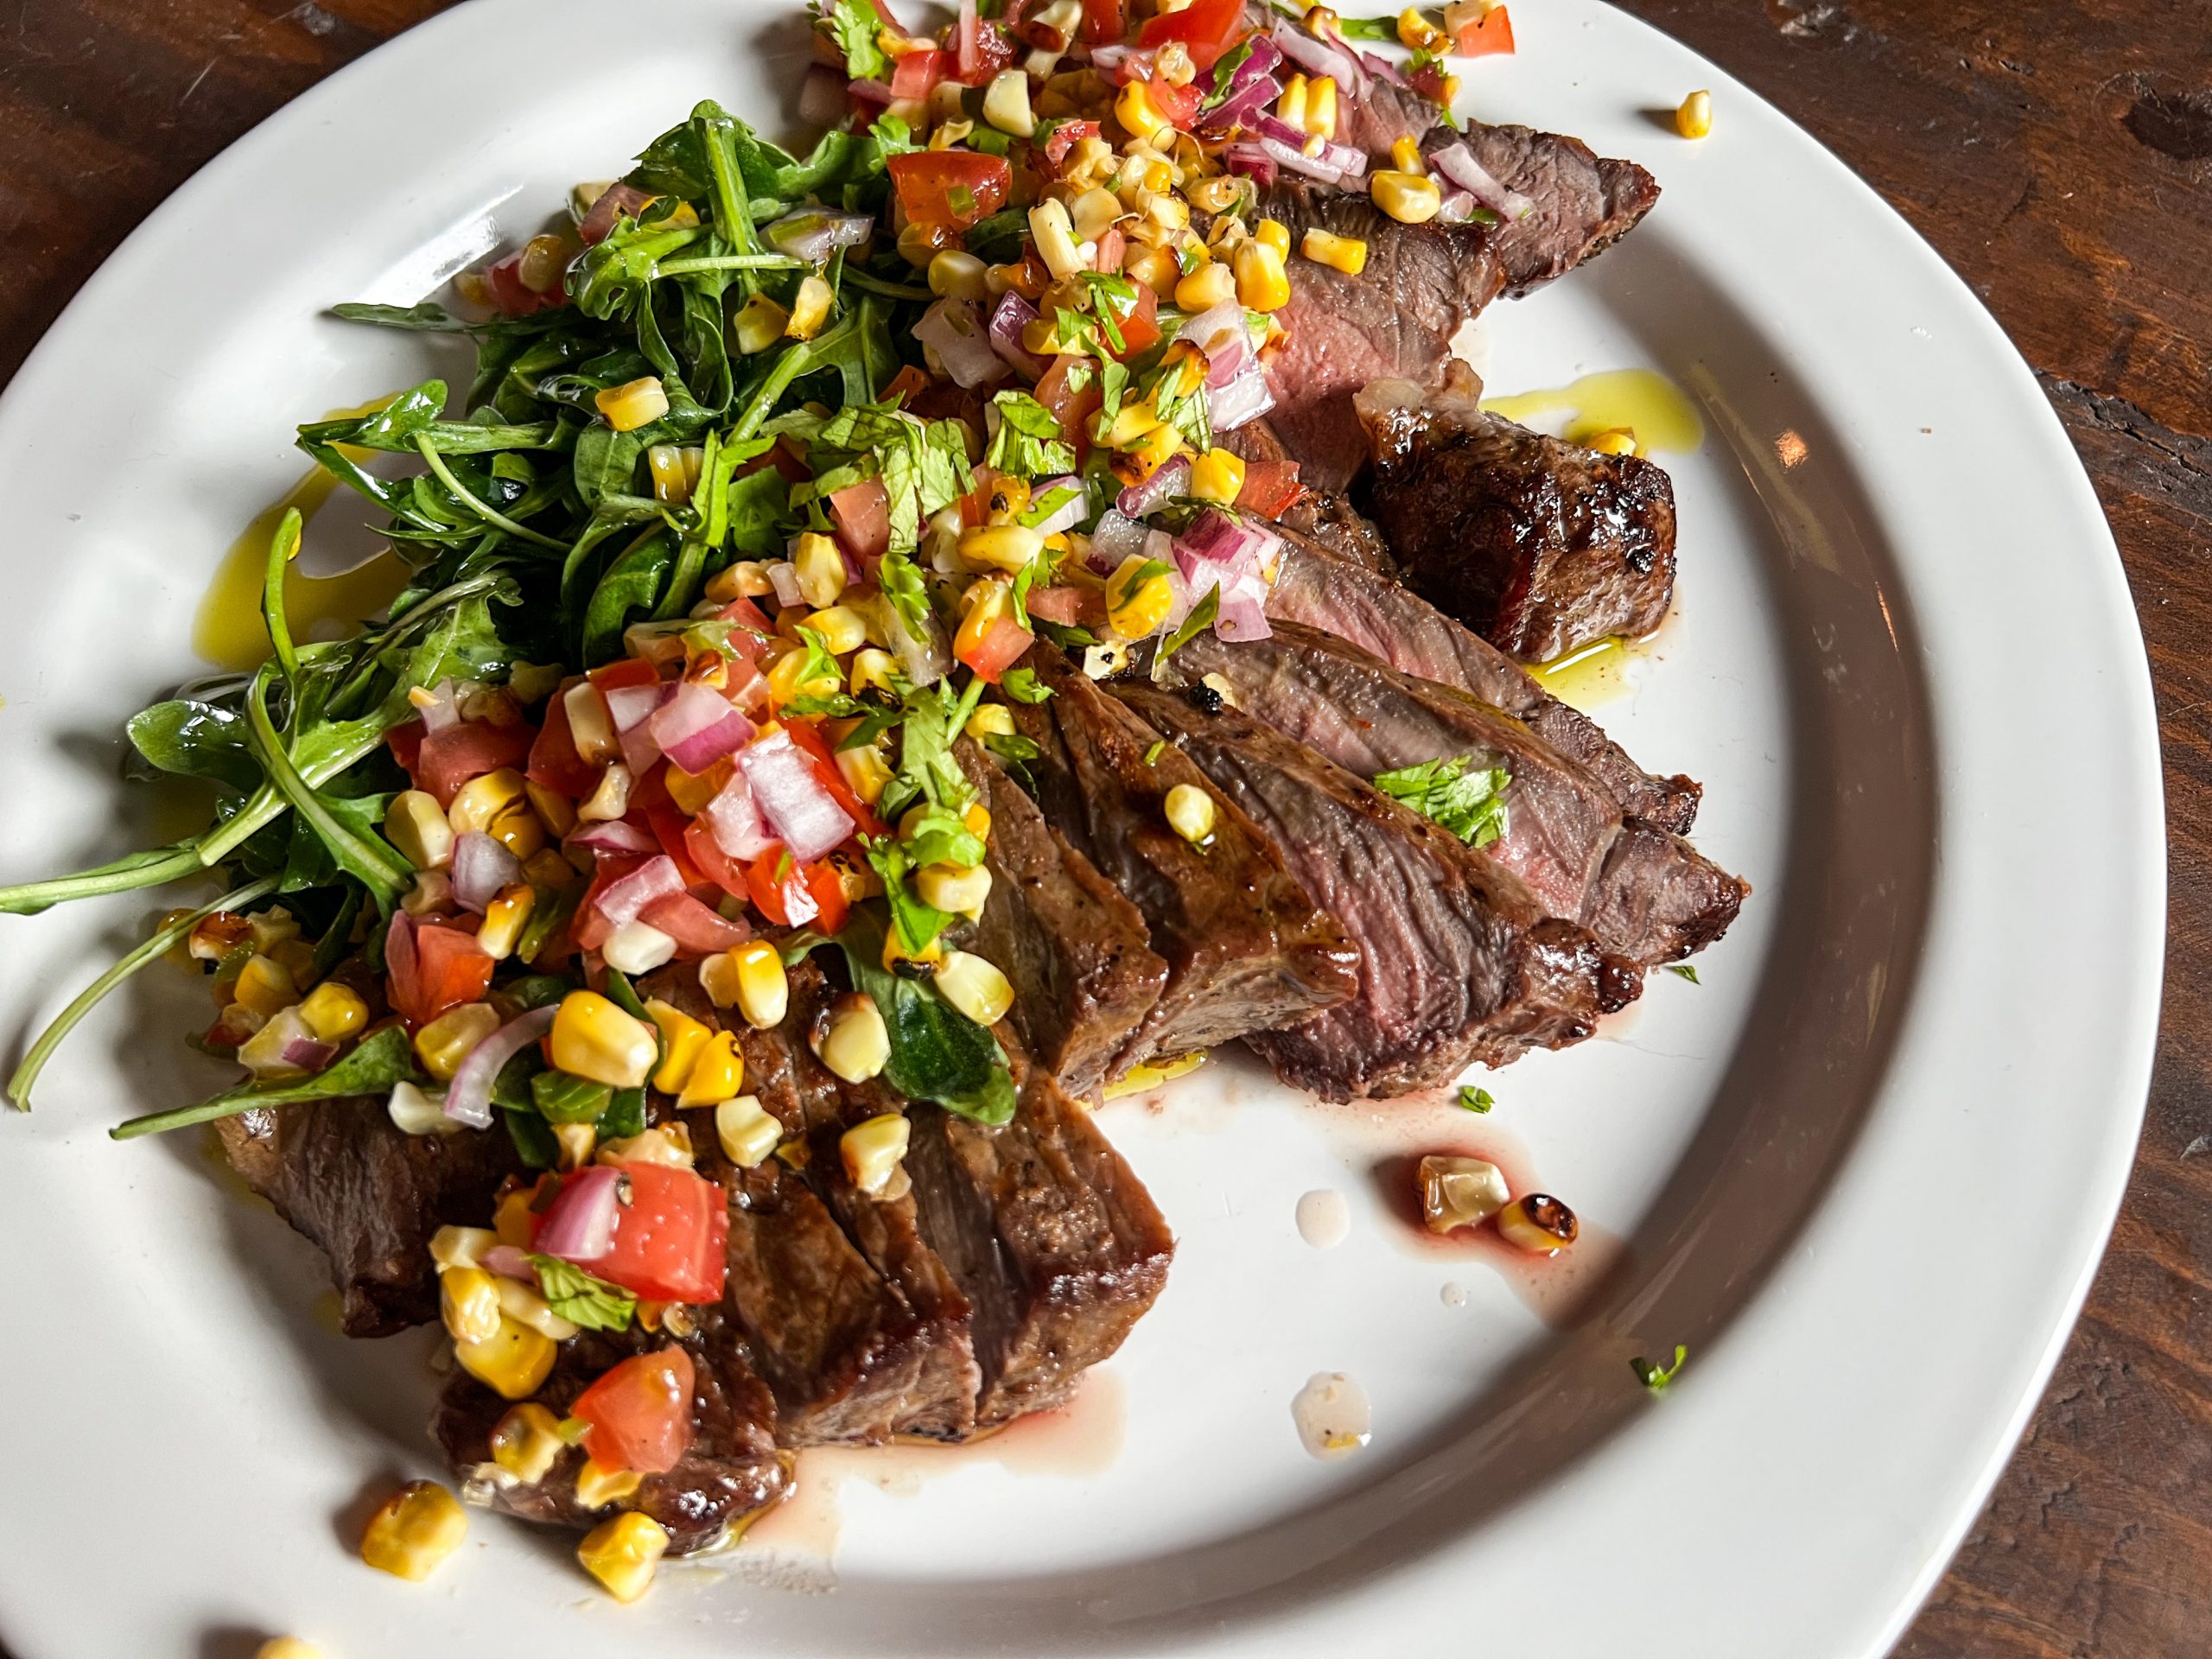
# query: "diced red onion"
1249,161
954,329
822,96
1382,69
697,726
481,868
579,1225
734,819
1243,613
1114,540
1458,163
443,710
468,1097
631,706
1297,161
1318,57
1222,334
1014,314
399,957
309,1053
1215,538
619,200
1070,514
1108,59
1344,162
1456,207
611,836
622,900
1242,104
1170,479
783,576
1244,399
509,1261
697,930
803,814
815,233
871,91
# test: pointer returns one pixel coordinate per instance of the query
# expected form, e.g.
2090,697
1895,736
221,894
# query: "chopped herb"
1366,28
857,29
1022,685
1471,805
1684,970
1151,755
1657,1377
1201,617
1473,1099
577,1297
1029,442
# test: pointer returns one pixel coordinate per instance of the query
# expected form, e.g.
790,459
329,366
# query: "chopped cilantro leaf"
577,1297
1471,805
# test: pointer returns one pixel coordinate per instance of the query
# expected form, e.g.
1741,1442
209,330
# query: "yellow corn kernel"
468,1301
417,1528
919,245
527,1443
1694,118
1614,441
671,480
638,403
1217,475
872,671
990,600
1538,1224
751,979
820,568
1320,120
865,772
1407,197
1092,213
1006,103
747,1130
333,1012
1417,32
1190,813
895,952
1010,548
1261,284
666,1144
517,829
1405,156
955,274
265,986
597,1485
1136,110
1131,426
1153,267
511,1219
857,1044
975,986
841,630
296,958
594,1040
715,1076
759,325
505,917
513,1363
1273,233
609,798
417,824
1137,605
481,800
624,1554
576,1143
1157,448
873,1151
590,726
1217,195
682,1038
1345,253
950,888
1204,289
976,819
809,309
461,1247
1290,106
990,719
555,810
443,1044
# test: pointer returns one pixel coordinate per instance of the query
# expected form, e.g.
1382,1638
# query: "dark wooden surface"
2060,157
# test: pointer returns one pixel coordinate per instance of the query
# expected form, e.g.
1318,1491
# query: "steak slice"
731,1472
343,1173
1584,203
1459,961
1056,1244
1648,896
1403,629
1084,971
1537,545
1246,948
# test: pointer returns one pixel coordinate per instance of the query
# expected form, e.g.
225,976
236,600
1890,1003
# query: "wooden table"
2059,154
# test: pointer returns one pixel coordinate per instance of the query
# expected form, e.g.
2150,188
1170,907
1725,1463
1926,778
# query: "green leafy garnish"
1022,685
383,1060
577,1297
1473,1099
937,1053
1683,970
1201,617
1470,805
1657,1377
1029,442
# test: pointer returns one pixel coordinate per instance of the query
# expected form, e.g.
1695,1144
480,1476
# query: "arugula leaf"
937,1053
1471,805
577,1297
563,1098
1656,1377
193,738
1226,68
1473,1099
383,1059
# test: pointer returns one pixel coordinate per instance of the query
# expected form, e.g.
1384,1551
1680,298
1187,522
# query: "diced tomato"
468,749
589,927
697,930
916,73
1104,21
1072,410
863,514
1065,137
1140,328
446,968
640,1413
707,854
982,49
1269,488
513,295
817,750
909,382
1111,246
1068,607
1000,649
625,671
1180,104
670,1239
777,885
554,762
951,186
1489,33
405,742
1206,28
828,892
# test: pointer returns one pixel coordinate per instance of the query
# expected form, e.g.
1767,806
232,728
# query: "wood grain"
2059,154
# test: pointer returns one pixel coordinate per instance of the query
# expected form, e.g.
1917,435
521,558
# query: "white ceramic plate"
1863,1171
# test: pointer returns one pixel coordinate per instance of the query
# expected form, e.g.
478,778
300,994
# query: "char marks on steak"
1459,961
1647,895
1246,948
1537,545
1584,203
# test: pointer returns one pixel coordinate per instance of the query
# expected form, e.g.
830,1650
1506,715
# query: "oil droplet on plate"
1324,1219
1645,403
1333,1416
1454,1293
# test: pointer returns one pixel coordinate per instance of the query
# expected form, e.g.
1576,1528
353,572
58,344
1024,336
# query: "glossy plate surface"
1862,1170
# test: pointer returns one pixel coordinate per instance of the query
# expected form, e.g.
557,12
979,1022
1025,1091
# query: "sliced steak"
343,1174
1459,961
1584,203
1078,952
1056,1244
1647,895
1537,545
731,1472
1314,587
1246,948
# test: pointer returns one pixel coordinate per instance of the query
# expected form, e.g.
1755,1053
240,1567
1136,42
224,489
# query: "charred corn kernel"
1694,118
975,986
820,569
597,1485
1217,475
1290,106
671,479
747,579
865,772
544,261
624,1554
1614,441
1460,1193
1131,426
511,1220
461,1247
856,1044
1155,267
417,1528
640,402
417,824
1417,32
443,1044
896,956
481,800
517,829
949,887
1210,284
469,1302
1006,103
590,726
841,630
955,274
809,308
287,1647
1320,120
683,1040
1010,548
666,1144
333,1012
748,1131
873,1151
1405,156
750,979
594,1040
1538,1224
759,324
1261,284
555,810
788,680
1136,110
610,798
990,601
505,917
1407,197
1151,1074
871,671
949,133
990,719
1345,253
413,1112
1217,195
1190,813
527,1443
1155,449
1137,603
716,1075
576,1142
1092,215
265,986
1273,233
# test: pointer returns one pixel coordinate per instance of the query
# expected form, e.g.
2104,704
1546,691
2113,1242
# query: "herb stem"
727,262
868,285
380,873
126,874
490,515
283,547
